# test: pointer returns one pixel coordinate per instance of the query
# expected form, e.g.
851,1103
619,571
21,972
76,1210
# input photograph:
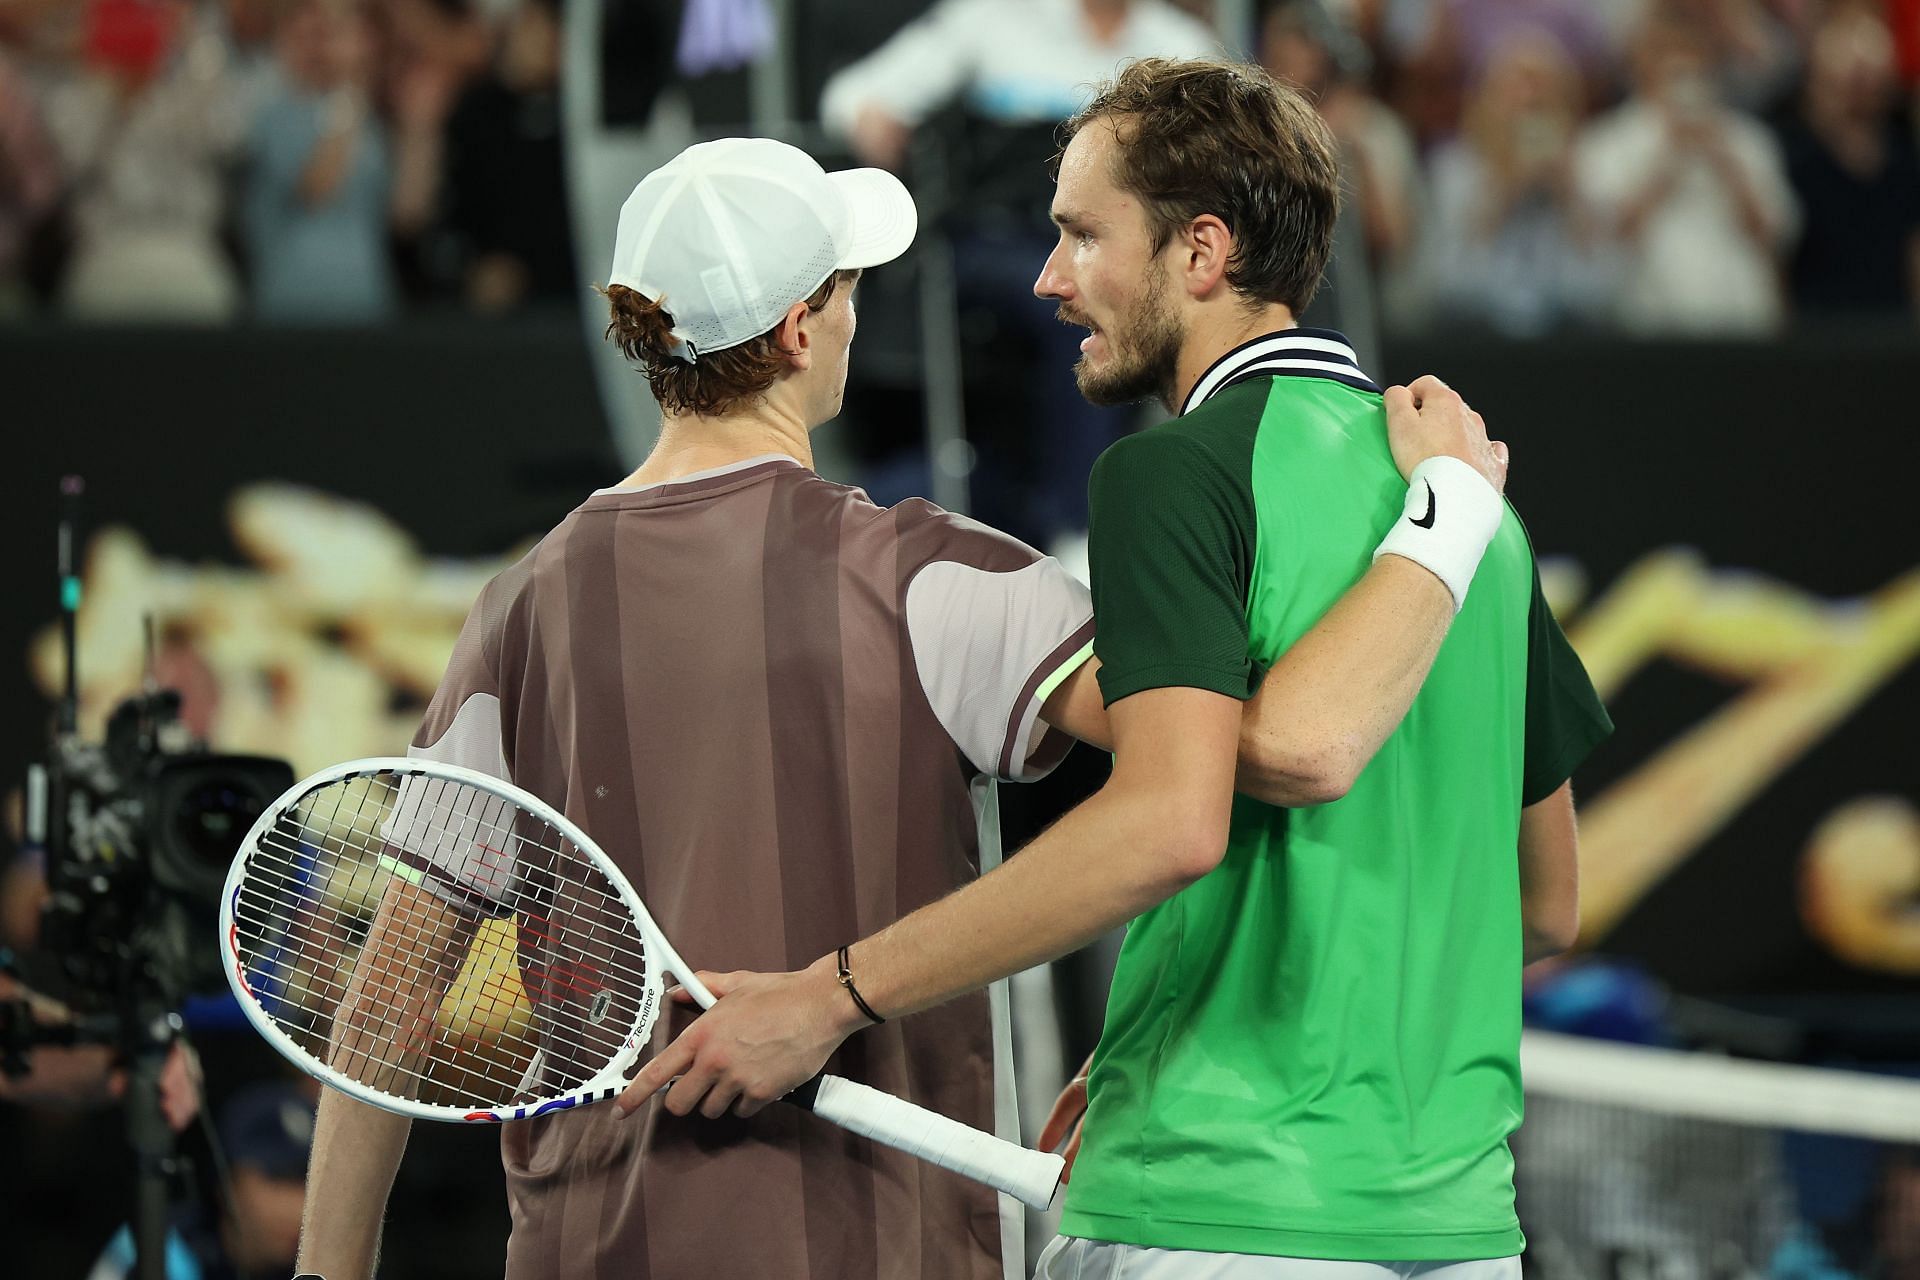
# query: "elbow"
1298,776
1543,939
1192,848
1322,786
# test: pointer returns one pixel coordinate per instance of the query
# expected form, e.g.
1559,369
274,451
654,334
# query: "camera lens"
212,817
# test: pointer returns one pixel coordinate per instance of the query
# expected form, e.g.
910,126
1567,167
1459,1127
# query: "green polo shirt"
1314,1050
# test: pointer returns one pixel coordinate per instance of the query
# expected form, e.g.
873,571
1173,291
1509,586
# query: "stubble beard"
1145,352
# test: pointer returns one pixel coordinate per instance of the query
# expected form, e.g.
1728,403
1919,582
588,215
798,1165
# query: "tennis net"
1655,1164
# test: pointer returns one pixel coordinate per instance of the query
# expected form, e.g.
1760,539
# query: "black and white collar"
1293,353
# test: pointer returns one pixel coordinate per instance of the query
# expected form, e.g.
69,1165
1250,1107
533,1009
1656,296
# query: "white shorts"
1068,1258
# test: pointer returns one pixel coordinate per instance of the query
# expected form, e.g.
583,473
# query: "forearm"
1549,876
1634,215
1757,222
356,1152
1098,867
1333,698
416,178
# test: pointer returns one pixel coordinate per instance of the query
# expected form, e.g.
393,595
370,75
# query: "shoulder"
1210,449
928,533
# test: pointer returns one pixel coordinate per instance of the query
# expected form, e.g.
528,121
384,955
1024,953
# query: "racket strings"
421,996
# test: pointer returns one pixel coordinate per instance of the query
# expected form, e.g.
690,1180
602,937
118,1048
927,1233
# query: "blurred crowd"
300,161
1703,167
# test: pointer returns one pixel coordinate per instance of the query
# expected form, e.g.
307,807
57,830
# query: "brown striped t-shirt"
779,708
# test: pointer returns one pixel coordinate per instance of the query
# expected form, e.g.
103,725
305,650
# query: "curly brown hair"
720,381
1208,136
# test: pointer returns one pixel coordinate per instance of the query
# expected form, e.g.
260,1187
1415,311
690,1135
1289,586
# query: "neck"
1212,336
691,443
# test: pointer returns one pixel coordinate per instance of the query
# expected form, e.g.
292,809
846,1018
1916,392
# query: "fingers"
1072,1151
750,1102
1399,400
718,1101
686,1093
1500,453
1427,387
653,1077
719,984
1066,1113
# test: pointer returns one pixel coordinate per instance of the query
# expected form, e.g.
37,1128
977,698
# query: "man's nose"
1052,285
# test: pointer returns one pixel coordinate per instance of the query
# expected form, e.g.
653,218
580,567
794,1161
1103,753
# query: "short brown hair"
719,381
1207,136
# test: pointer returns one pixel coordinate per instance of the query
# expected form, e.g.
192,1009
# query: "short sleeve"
1565,718
436,835
1170,546
995,626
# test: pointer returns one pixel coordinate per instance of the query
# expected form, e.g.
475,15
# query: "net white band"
1451,515
1765,1095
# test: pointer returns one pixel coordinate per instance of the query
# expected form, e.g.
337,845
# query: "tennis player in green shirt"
1310,1061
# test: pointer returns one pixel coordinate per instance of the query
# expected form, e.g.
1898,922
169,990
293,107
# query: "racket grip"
1029,1176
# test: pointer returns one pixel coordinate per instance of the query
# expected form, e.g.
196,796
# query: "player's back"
1313,1050
715,678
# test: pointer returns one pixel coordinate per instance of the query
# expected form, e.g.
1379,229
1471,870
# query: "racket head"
549,1003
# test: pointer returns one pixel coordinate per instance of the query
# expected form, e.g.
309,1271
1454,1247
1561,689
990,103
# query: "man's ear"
792,337
1209,246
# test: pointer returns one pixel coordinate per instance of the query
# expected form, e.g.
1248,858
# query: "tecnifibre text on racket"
443,945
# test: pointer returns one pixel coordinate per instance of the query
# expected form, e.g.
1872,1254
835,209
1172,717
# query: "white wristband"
1451,515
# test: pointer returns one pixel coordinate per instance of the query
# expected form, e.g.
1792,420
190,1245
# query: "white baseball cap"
729,234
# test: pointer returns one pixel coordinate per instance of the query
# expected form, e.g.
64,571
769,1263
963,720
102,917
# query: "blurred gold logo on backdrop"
1807,664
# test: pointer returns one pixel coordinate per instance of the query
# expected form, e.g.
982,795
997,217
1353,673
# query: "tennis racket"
443,945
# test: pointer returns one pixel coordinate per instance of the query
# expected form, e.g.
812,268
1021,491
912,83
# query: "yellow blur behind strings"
484,1025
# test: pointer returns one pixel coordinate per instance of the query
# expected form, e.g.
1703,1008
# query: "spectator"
145,130
1482,30
1856,170
506,185
1753,55
317,190
244,30
1693,193
267,1132
1018,68
1302,43
1447,46
29,180
1508,243
434,49
1904,17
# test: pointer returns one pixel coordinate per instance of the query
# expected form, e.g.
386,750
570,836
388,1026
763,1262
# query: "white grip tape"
1031,1177
1451,516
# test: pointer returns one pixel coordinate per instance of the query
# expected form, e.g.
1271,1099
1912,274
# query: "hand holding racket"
508,969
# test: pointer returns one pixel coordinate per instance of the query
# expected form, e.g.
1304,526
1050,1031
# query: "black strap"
846,980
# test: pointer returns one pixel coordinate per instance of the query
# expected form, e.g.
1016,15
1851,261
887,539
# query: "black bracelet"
846,980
